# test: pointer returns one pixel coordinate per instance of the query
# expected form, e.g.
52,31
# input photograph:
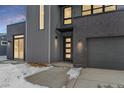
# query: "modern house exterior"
84,35
3,44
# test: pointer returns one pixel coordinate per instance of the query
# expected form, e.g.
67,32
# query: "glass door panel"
67,48
18,47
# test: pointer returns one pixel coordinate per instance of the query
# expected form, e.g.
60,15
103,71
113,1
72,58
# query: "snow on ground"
74,73
13,75
2,58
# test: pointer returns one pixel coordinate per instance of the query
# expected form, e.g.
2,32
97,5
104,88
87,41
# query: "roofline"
17,23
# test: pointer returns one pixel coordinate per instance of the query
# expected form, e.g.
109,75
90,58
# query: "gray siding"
3,49
37,40
55,43
14,29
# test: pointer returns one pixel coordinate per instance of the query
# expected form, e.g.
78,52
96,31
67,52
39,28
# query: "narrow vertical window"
68,15
41,17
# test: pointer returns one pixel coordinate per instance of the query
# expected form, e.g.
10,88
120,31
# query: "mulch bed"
37,64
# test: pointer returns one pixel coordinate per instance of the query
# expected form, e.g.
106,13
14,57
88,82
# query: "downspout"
49,43
26,35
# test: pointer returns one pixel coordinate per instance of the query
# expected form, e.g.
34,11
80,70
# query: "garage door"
106,53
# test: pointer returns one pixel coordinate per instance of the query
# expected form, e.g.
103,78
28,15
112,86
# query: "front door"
68,49
19,47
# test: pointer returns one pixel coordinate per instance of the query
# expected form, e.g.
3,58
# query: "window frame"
103,10
64,15
43,18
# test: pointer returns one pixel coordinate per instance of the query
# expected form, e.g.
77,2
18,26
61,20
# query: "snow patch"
74,73
13,75
2,58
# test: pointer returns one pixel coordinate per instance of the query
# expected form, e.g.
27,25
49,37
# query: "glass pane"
19,36
86,7
97,11
110,8
68,21
16,49
68,39
68,45
86,13
21,48
68,55
68,50
41,17
97,6
67,12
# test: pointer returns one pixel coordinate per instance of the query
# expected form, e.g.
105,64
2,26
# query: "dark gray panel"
3,48
106,52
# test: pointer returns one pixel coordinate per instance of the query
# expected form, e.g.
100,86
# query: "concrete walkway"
62,64
55,77
93,78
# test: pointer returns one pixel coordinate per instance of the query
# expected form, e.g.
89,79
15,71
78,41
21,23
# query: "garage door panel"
106,52
107,65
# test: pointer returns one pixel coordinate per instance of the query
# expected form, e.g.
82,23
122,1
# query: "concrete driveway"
93,78
89,78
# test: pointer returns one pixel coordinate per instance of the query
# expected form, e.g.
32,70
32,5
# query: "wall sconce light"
80,46
8,43
56,42
56,37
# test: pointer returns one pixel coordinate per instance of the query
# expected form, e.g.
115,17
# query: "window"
68,15
3,43
110,8
86,10
95,9
41,17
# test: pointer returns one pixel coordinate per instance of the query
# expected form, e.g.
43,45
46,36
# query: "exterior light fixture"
56,42
80,46
8,43
56,37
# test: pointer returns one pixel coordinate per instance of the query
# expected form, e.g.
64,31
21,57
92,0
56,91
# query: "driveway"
58,77
93,78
